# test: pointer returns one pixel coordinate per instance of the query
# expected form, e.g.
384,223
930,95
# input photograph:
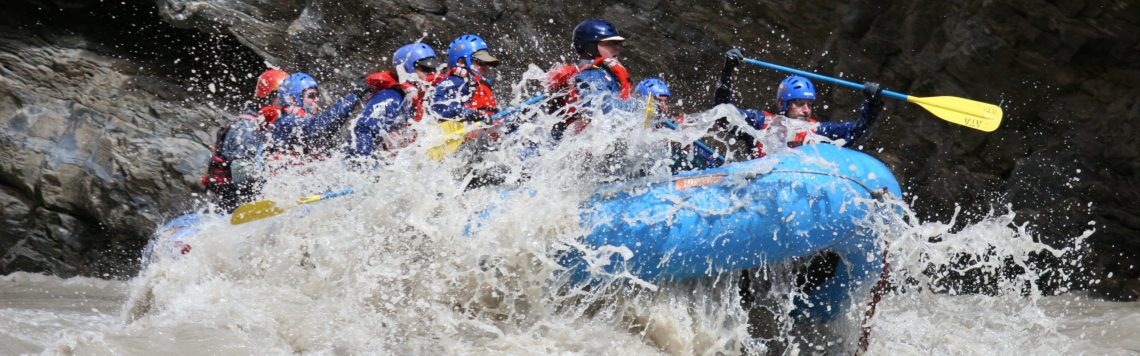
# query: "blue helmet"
588,33
295,85
464,47
794,87
413,54
653,87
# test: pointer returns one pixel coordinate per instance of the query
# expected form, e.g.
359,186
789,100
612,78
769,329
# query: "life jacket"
387,79
560,82
795,142
269,115
218,172
482,98
292,110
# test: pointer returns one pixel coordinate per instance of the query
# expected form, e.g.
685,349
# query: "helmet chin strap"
591,52
476,71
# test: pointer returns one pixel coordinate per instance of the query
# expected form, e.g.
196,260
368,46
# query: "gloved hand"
359,87
733,56
723,93
491,113
872,92
469,115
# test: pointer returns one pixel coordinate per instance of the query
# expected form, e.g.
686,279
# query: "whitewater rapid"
413,263
51,315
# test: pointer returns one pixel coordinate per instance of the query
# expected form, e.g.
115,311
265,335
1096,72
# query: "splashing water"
416,262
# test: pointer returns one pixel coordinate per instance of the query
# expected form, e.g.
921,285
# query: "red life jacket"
560,82
218,169
795,142
387,79
269,115
293,110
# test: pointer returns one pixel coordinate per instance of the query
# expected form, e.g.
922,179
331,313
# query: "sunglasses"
313,95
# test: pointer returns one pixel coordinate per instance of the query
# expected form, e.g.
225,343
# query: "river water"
50,315
413,262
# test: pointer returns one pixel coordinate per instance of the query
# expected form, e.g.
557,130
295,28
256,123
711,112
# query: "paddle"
266,208
516,108
649,110
456,132
973,114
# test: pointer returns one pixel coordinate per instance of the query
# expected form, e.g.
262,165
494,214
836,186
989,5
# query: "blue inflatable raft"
172,238
738,217
741,216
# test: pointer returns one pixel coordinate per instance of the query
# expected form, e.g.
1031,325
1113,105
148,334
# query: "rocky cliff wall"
1064,72
104,133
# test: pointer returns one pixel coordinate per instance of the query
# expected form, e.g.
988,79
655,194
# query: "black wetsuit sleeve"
868,113
723,93
853,131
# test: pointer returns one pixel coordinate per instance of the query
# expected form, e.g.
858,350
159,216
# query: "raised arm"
723,94
855,131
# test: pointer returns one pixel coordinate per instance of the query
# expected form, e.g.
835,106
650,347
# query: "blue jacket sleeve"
363,139
597,86
753,117
293,130
450,98
387,110
326,124
286,130
384,112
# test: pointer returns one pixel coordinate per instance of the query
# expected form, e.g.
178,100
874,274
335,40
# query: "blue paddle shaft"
852,85
335,194
513,109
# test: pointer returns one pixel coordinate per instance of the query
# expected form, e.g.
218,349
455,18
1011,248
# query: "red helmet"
269,81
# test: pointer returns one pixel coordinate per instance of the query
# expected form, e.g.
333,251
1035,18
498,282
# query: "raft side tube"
741,216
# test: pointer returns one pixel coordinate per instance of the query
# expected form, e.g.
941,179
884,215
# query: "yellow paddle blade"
255,211
455,134
649,110
453,128
973,114
308,199
438,152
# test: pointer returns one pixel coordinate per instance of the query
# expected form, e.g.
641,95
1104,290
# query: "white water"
408,265
46,314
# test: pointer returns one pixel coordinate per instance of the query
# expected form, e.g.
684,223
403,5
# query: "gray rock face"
104,156
98,147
